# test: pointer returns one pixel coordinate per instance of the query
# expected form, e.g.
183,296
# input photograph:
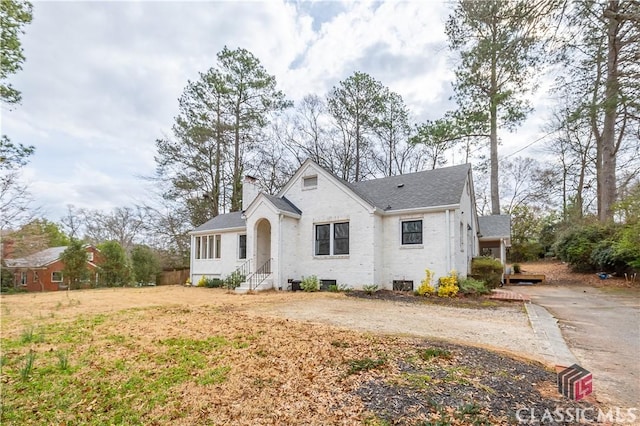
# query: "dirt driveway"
602,329
504,328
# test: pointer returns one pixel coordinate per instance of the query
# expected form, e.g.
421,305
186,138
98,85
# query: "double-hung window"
242,246
332,238
208,247
411,232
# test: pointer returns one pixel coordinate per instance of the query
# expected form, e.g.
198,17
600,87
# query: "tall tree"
125,225
114,268
355,104
144,264
251,97
392,129
221,118
601,61
498,46
14,15
75,264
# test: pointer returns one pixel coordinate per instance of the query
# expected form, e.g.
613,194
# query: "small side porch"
255,280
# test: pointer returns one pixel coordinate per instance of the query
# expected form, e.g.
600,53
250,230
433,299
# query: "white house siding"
408,262
467,242
264,210
331,202
217,268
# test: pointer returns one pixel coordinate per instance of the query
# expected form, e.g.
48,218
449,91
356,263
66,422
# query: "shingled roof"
36,260
430,188
223,221
495,226
283,204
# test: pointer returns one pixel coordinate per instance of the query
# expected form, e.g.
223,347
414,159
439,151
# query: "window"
242,246
210,247
90,256
23,278
412,232
197,248
218,246
341,238
56,277
35,277
323,236
310,182
325,245
207,247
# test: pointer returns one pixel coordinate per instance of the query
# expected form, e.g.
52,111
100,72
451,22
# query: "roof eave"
209,231
422,209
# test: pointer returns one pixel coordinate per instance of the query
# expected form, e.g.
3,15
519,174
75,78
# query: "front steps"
267,284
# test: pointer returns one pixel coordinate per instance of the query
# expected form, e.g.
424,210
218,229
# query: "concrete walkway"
551,343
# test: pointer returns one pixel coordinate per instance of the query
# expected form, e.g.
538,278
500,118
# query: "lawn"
86,359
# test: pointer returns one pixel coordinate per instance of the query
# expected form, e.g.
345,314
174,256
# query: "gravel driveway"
503,328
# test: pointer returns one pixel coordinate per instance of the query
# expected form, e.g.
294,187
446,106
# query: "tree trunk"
216,183
493,111
236,194
608,151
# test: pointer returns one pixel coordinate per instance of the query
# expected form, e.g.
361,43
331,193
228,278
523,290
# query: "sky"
101,79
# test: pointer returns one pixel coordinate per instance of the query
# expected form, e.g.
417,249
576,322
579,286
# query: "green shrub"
214,283
370,288
472,286
333,288
311,283
234,280
576,247
488,270
516,268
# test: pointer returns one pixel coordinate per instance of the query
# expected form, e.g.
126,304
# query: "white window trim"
331,255
304,179
90,256
245,247
57,281
411,219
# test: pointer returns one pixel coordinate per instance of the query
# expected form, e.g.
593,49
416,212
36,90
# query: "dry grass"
200,356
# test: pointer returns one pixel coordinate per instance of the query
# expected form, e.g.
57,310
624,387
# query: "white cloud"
101,80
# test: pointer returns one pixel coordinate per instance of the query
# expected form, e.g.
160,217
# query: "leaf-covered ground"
221,363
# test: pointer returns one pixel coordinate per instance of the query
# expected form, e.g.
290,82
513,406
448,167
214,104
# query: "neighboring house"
495,235
42,271
384,231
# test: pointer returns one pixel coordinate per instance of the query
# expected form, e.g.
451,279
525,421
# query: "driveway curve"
602,329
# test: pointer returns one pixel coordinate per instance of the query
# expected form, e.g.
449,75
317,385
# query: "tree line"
233,120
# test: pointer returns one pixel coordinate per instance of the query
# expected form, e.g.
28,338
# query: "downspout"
279,284
191,258
448,226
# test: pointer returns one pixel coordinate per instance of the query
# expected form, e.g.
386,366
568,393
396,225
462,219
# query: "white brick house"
383,231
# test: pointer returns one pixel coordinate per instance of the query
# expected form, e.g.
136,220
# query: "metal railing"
260,275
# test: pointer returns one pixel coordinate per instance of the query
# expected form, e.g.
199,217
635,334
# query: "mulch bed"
460,301
467,386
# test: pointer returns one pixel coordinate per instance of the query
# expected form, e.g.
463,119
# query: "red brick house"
42,271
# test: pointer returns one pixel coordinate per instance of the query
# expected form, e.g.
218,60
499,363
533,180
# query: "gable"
324,183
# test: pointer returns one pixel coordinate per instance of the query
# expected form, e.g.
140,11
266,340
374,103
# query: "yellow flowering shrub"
202,282
426,286
448,286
